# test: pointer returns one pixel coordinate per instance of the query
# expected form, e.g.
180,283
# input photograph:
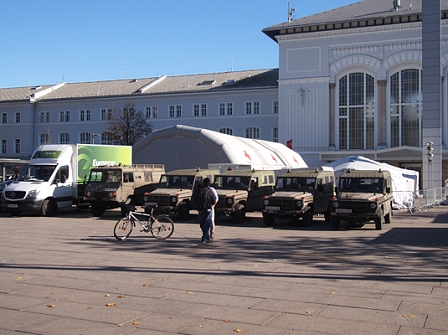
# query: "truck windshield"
36,173
176,181
231,182
295,183
362,185
105,176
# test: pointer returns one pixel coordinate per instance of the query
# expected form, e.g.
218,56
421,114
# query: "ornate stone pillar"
332,104
382,114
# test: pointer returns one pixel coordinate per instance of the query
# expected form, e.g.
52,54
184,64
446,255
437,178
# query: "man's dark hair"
206,181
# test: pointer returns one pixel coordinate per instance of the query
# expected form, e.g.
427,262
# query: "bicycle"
160,226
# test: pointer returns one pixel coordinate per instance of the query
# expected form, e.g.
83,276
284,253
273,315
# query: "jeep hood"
288,194
229,193
360,196
171,191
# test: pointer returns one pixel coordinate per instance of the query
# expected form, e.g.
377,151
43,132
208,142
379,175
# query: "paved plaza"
68,275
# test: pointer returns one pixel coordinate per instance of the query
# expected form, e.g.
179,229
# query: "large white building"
349,82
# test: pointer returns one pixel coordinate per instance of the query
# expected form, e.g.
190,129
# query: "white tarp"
180,147
404,182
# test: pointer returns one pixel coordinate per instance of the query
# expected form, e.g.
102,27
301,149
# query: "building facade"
349,82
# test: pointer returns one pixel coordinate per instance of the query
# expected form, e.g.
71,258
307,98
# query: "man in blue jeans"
205,216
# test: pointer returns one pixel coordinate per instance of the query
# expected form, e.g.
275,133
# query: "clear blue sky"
50,41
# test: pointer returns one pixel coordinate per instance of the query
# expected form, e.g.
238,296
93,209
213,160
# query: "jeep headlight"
373,205
299,203
229,201
145,198
173,200
335,204
111,195
266,202
33,193
88,194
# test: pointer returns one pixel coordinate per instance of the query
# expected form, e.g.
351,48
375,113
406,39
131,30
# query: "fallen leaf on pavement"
110,304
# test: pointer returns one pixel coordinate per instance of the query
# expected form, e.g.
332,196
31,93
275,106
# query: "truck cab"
363,196
300,193
241,191
174,191
110,186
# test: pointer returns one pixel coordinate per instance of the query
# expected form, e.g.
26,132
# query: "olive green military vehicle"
110,186
242,191
174,191
363,196
300,193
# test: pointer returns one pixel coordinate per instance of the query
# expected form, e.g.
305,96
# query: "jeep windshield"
302,184
231,182
362,185
105,176
36,173
176,181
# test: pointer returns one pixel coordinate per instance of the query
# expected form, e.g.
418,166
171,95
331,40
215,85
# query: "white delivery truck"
56,176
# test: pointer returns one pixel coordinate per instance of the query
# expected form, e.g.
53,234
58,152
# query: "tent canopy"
180,147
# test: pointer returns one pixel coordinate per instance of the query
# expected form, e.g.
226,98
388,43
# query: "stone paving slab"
68,275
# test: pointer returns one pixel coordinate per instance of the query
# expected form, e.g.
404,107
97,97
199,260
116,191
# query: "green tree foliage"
127,126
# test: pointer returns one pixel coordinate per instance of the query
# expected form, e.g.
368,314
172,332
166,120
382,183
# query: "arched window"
228,131
356,111
253,132
85,138
64,138
405,108
105,139
44,138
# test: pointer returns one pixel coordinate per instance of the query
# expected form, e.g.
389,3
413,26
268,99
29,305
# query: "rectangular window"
4,142
175,110
275,107
252,107
106,114
84,115
171,111
200,109
17,145
4,117
84,138
44,138
225,108
44,117
64,116
178,111
105,139
18,117
275,134
151,112
64,138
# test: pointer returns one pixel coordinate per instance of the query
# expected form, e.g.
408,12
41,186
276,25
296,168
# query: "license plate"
13,205
343,210
153,204
272,208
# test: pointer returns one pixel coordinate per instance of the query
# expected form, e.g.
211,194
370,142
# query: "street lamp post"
93,137
430,155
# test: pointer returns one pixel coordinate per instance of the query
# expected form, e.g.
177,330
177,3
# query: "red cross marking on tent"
273,158
246,154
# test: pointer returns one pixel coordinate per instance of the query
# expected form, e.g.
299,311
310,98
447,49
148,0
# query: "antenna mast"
290,13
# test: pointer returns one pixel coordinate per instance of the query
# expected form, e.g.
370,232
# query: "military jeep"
241,191
363,196
111,186
174,191
300,194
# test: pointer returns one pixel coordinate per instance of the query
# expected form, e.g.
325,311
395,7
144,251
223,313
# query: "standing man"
212,224
205,200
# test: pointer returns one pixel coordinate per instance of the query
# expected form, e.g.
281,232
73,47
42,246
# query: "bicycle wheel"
123,228
162,227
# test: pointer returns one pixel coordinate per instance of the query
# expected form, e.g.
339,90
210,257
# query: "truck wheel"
268,220
388,217
183,212
97,210
379,221
239,214
336,222
308,218
48,207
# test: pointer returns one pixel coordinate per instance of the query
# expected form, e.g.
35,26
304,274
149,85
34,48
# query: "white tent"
404,182
180,147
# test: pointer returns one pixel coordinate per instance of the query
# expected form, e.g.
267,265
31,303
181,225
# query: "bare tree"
126,126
